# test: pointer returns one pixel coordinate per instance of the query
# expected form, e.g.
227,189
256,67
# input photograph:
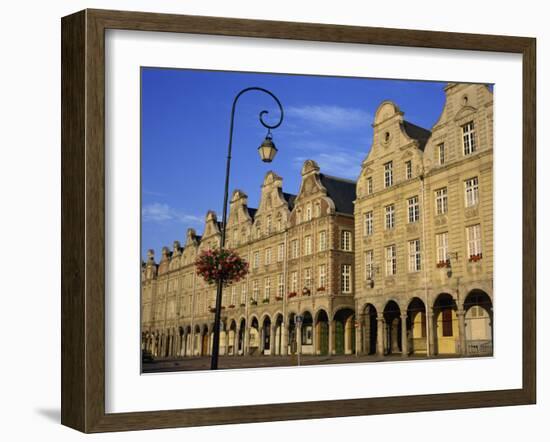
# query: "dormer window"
388,174
468,138
308,212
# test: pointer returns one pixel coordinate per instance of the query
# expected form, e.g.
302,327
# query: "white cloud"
331,116
160,212
344,164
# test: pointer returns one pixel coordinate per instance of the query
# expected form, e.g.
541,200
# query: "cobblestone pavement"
231,362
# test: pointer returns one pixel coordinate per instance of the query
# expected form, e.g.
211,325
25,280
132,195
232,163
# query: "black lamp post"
267,151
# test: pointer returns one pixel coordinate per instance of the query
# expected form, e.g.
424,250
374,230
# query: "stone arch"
478,323
417,326
445,325
344,330
393,330
321,321
369,329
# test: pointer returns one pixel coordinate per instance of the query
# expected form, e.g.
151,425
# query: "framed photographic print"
267,221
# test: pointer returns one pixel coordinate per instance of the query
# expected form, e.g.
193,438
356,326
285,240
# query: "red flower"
221,265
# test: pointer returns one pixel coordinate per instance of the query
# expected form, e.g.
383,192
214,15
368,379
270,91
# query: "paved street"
229,362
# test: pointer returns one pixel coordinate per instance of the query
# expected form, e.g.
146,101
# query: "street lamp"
267,151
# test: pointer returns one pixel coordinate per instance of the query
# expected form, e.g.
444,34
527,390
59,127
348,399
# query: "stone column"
284,340
461,331
314,336
331,334
432,331
246,341
380,332
226,342
359,337
404,337
394,343
299,338
272,339
236,342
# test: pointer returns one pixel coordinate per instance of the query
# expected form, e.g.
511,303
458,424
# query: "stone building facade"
399,262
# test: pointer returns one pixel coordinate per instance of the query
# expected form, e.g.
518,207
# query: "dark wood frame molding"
83,220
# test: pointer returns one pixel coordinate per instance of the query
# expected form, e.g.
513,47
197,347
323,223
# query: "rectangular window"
308,212
414,256
388,174
268,224
235,236
441,205
468,137
408,170
322,240
243,294
441,152
280,252
369,185
256,262
473,234
294,282
294,248
323,276
345,240
267,288
369,264
368,223
281,286
447,322
391,260
255,289
307,245
471,191
233,295
308,280
346,278
268,256
414,210
442,244
390,217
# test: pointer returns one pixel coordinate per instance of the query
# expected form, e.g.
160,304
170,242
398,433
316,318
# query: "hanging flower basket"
306,291
475,258
224,265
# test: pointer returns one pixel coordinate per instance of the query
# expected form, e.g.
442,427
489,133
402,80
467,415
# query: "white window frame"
294,251
388,174
255,289
267,288
442,246
294,281
469,138
346,278
369,223
281,285
408,170
441,153
322,240
413,209
389,213
308,245
415,257
471,191
308,278
391,260
268,224
243,293
256,262
369,186
369,264
345,240
308,212
441,201
233,295
268,256
281,252
323,276
473,235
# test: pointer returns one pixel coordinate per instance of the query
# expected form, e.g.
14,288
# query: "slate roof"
417,133
289,198
252,212
341,191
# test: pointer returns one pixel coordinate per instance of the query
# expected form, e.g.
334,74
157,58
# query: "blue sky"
185,129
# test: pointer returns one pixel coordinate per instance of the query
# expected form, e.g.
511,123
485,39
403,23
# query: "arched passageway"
478,325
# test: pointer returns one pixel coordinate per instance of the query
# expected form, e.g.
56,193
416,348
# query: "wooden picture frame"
83,220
